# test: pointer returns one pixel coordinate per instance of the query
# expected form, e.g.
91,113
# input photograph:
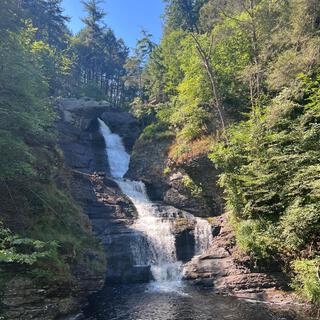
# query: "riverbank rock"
221,268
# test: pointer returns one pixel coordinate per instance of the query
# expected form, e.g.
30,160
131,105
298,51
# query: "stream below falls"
167,297
145,302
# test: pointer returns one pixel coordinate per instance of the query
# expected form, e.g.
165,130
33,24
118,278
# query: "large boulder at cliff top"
81,112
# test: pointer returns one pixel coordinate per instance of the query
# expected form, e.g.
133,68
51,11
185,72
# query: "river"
146,302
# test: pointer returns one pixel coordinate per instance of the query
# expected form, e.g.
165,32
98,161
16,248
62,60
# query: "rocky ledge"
227,272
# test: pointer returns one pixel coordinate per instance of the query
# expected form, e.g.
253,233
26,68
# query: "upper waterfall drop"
118,158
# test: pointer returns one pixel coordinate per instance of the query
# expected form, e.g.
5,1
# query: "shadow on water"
146,302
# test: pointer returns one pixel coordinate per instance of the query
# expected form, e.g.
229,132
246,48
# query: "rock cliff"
191,185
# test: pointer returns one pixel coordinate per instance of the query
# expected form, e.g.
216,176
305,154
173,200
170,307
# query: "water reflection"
145,302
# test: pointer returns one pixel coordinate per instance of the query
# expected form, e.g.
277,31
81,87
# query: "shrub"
306,281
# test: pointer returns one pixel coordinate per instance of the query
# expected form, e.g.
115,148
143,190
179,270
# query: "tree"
48,19
136,64
185,15
100,58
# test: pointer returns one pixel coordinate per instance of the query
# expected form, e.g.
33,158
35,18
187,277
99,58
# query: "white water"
159,250
203,235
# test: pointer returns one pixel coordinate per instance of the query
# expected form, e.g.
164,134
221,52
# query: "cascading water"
159,251
203,235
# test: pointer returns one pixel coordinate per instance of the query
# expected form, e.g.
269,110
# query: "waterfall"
159,251
158,248
203,235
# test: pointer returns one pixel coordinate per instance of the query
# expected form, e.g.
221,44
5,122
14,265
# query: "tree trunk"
210,72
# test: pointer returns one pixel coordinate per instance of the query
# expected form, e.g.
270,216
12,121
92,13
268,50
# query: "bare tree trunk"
210,72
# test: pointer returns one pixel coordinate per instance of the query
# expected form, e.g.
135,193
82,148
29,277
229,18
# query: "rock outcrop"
191,185
223,269
26,299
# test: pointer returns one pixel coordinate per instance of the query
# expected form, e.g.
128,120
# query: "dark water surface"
145,302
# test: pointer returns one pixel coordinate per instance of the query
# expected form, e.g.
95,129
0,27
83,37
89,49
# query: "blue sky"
125,17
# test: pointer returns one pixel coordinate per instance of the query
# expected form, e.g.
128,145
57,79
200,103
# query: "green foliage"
306,281
271,176
24,108
156,132
167,171
192,186
16,159
25,251
257,238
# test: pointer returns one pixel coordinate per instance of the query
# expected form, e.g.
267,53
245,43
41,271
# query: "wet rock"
220,266
185,245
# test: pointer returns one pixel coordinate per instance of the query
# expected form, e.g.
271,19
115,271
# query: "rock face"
202,171
221,268
170,182
26,299
109,211
148,163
